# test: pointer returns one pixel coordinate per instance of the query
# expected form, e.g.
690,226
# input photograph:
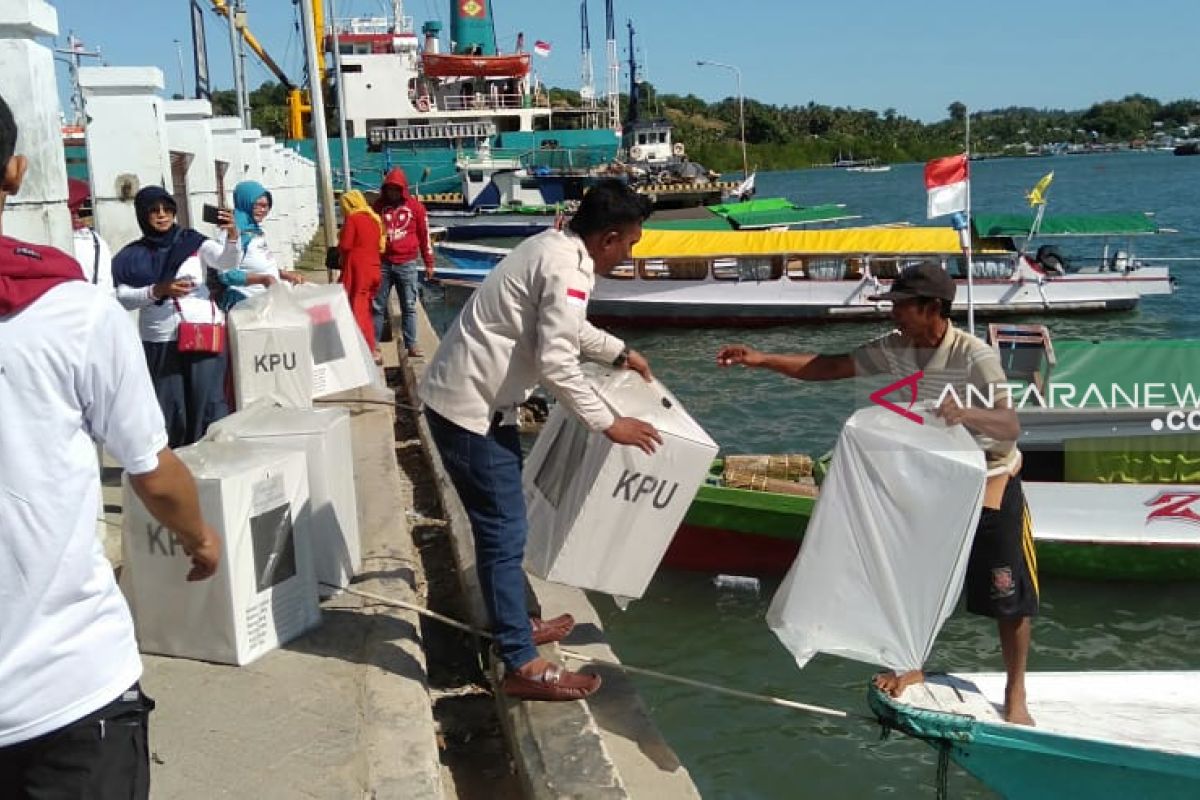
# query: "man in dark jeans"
406,229
73,719
526,324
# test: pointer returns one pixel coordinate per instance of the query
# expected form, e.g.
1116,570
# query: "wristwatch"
620,360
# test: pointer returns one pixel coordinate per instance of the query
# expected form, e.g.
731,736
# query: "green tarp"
1132,459
771,212
1123,224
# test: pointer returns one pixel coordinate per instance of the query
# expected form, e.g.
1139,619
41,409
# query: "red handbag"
200,337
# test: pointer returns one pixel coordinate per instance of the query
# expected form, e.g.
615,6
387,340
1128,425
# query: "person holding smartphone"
163,276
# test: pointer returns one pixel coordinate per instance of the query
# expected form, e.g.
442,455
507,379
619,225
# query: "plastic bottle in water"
737,583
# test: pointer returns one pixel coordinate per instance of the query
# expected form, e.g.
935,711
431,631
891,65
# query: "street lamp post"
741,108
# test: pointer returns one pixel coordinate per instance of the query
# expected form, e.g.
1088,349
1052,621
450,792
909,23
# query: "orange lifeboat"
446,65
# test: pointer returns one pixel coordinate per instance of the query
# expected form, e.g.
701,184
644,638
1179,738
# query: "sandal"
554,684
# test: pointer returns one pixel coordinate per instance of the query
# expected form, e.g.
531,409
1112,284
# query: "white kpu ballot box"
341,360
601,515
884,556
270,340
323,435
264,592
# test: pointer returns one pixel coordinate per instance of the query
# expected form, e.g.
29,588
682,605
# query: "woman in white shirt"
165,276
251,205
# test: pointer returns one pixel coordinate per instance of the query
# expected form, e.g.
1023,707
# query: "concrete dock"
379,703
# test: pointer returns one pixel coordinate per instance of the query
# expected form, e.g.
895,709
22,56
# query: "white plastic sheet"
341,358
264,592
602,515
885,552
323,435
270,338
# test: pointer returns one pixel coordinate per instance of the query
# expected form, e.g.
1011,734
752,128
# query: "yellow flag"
1037,195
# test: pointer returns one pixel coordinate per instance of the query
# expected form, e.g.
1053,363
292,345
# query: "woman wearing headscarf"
164,276
257,269
359,246
89,249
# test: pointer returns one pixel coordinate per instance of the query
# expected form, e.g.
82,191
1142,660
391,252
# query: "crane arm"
222,8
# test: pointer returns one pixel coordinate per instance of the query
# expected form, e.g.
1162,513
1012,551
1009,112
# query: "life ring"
635,153
423,103
678,149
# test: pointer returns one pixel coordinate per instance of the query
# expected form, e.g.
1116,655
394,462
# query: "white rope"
576,656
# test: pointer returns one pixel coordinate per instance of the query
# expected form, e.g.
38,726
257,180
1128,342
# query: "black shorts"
104,756
1002,579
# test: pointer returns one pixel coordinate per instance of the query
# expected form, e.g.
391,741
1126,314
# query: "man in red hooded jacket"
406,228
73,719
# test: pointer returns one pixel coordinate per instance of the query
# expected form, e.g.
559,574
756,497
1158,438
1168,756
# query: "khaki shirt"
961,360
525,324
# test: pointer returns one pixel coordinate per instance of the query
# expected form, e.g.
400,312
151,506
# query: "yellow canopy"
711,244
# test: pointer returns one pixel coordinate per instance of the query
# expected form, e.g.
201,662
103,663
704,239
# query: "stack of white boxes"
264,592
602,515
323,435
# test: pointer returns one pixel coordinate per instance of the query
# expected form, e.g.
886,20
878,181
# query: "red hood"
396,177
28,271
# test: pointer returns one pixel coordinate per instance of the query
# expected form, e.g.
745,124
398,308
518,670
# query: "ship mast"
587,82
614,67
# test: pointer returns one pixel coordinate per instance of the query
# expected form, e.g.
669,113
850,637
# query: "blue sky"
916,57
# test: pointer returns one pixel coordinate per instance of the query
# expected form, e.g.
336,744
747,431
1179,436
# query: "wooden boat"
1111,497
776,277
1099,735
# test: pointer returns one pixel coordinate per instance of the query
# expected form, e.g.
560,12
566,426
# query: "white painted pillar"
126,144
188,132
312,217
284,169
38,213
227,153
276,224
251,161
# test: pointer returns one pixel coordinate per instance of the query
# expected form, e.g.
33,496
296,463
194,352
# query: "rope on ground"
650,673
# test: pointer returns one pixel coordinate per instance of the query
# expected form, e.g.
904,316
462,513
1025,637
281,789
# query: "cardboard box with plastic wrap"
341,359
601,515
264,592
323,435
270,338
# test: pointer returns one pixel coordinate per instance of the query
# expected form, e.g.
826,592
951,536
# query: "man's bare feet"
1015,710
895,684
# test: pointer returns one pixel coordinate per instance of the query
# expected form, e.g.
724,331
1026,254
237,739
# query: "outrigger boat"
1099,735
1112,494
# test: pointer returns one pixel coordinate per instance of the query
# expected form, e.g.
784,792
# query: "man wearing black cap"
1002,572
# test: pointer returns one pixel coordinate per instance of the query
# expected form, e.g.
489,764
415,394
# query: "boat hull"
1034,763
726,531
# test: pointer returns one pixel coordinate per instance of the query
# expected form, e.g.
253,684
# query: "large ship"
472,127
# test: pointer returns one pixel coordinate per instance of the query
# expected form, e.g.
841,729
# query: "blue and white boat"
1099,735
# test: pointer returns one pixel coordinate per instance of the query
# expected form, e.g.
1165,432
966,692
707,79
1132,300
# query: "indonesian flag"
946,182
541,48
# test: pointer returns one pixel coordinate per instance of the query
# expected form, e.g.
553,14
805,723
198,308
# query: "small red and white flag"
541,48
946,182
576,297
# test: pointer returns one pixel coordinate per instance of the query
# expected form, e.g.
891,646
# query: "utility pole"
182,80
237,19
75,50
614,67
320,135
347,178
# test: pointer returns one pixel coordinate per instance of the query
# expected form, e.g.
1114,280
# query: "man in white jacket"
525,325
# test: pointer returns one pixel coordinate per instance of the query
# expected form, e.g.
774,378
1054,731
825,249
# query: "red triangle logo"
878,397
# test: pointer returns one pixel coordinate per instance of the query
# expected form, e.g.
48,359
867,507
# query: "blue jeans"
486,472
404,277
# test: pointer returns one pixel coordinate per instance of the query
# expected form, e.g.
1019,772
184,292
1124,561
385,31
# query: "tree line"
795,136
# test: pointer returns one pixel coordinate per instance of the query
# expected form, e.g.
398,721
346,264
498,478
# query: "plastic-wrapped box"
341,359
270,337
884,555
323,435
601,515
264,592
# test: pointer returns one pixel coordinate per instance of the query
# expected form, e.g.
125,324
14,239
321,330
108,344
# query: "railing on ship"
404,134
490,102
